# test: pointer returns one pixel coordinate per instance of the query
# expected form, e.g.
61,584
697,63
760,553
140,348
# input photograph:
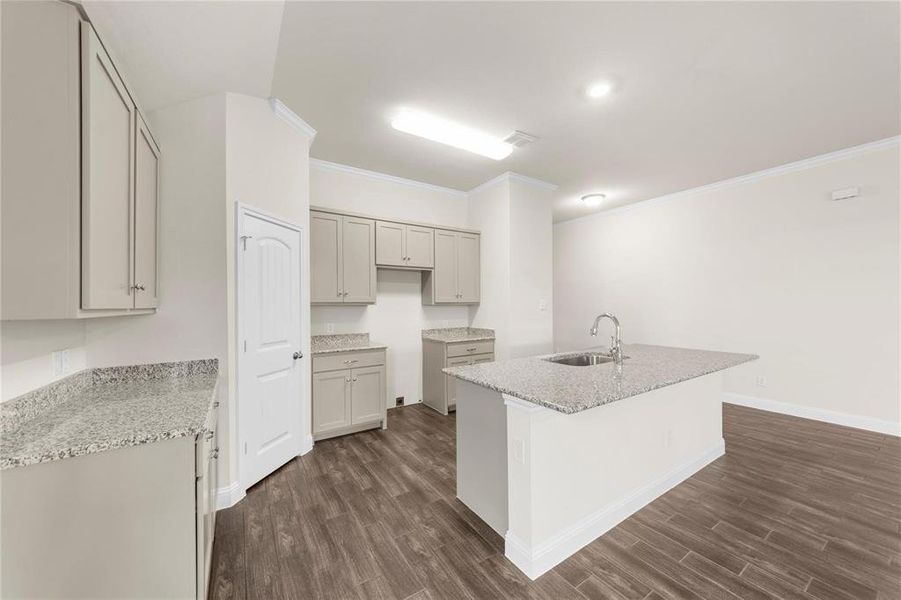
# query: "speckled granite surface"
103,409
458,334
342,342
573,389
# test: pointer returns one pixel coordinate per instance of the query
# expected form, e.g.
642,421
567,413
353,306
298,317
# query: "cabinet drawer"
468,348
348,360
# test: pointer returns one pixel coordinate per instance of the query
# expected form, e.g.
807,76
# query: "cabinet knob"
347,380
209,434
298,355
344,294
339,294
355,378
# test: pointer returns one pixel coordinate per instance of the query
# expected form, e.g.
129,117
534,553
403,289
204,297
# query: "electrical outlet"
761,381
399,401
59,362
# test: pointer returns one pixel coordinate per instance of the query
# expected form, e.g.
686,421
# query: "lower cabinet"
135,522
349,393
438,389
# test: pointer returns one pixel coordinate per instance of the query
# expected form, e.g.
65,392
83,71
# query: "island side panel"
482,453
581,474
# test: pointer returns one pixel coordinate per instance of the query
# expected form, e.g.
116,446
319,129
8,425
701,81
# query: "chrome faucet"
616,341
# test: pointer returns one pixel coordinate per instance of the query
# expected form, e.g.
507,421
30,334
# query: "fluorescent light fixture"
450,133
593,199
599,89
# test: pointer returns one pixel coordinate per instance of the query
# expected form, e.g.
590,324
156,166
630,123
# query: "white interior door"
270,375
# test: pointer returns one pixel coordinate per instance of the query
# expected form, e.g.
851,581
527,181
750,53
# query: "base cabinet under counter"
438,390
134,522
349,393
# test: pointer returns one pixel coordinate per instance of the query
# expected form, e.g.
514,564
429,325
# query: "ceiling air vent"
518,139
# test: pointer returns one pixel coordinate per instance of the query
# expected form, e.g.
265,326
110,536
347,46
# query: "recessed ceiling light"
599,89
593,199
450,133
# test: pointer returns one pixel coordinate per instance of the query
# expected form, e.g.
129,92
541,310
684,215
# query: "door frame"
241,210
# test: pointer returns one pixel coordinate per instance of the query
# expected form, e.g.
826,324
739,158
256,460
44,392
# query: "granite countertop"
570,389
342,342
458,334
103,409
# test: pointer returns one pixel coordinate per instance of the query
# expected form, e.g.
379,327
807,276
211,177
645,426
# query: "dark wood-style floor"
796,509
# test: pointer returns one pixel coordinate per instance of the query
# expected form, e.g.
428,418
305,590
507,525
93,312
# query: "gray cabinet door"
331,401
420,246
450,382
468,284
358,259
389,244
108,126
147,165
367,401
445,275
325,258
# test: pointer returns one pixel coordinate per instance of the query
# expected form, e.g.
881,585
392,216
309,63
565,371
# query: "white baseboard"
816,414
534,562
306,445
228,496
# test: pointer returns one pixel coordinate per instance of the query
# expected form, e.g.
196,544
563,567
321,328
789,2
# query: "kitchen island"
551,455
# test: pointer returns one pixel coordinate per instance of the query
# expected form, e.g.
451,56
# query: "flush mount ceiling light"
450,133
599,89
593,199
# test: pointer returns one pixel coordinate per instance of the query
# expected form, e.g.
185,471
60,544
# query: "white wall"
531,269
770,266
398,316
489,211
514,215
26,349
267,168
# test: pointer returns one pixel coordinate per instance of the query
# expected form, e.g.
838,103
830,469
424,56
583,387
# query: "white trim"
523,405
229,495
507,176
800,165
306,445
324,165
816,414
279,108
538,560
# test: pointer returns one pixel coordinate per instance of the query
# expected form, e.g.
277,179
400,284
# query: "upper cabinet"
404,246
345,250
80,173
342,259
456,276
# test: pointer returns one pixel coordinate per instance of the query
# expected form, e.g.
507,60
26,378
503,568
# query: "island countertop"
103,409
569,389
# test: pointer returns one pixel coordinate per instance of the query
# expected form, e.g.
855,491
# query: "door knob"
298,355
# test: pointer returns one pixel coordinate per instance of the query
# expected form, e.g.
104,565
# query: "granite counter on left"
102,409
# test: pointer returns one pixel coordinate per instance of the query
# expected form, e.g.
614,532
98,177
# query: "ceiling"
703,91
175,50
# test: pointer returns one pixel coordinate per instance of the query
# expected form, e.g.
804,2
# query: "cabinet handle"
137,287
350,362
209,434
344,294
355,378
216,404
215,453
339,294
471,349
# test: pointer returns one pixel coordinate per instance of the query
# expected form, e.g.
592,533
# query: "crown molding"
279,108
324,165
800,165
511,176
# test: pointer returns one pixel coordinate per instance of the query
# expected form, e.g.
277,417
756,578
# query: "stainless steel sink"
586,359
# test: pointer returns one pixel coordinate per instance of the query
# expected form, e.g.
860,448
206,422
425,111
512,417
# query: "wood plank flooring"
796,509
